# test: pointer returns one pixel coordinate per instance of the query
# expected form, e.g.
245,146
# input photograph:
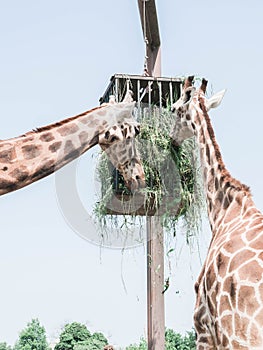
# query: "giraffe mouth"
136,184
176,143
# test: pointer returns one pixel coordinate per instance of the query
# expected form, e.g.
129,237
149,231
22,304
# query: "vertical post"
149,21
155,284
155,251
171,93
154,61
117,90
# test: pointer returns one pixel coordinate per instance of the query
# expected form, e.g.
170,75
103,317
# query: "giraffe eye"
114,138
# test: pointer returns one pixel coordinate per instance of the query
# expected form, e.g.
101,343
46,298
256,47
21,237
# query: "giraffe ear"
215,100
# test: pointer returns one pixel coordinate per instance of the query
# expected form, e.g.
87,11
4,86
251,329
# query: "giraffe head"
118,141
189,110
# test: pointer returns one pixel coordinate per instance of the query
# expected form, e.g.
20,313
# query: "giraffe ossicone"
36,154
229,290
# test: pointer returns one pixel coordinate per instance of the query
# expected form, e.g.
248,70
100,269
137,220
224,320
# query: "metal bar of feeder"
171,92
138,98
116,90
116,179
149,95
160,94
127,85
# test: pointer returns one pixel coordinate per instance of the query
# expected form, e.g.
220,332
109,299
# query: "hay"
171,172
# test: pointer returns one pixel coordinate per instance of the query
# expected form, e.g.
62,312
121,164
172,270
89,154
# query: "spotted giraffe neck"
229,290
36,154
224,194
228,312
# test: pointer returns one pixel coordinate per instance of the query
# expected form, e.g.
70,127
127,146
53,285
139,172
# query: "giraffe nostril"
137,177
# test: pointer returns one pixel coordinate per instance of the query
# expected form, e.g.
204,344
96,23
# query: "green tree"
4,346
33,337
72,334
176,341
76,336
173,341
190,340
93,343
97,341
142,346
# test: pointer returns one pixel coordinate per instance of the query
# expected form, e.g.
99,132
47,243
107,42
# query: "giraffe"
229,290
38,153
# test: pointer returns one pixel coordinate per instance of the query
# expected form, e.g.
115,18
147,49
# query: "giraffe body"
229,291
229,306
36,154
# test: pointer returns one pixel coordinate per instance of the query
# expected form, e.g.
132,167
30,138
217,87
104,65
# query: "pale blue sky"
56,61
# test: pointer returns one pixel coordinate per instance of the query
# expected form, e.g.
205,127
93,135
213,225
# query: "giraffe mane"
225,173
60,123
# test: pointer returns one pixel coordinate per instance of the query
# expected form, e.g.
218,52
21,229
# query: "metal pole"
155,249
155,284
149,21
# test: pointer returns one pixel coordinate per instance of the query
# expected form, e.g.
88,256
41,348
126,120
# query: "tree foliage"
176,341
4,346
33,337
173,341
76,336
142,346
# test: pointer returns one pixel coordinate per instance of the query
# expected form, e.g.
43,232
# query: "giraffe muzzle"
137,183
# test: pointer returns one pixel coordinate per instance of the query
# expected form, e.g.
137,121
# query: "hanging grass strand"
174,186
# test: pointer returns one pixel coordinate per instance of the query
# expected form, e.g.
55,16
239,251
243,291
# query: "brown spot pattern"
83,137
70,151
251,272
239,258
226,323
31,151
8,186
55,146
219,196
47,137
233,245
224,304
246,300
255,339
8,155
241,325
69,147
47,168
222,263
19,174
259,317
68,129
102,112
230,288
250,235
237,345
